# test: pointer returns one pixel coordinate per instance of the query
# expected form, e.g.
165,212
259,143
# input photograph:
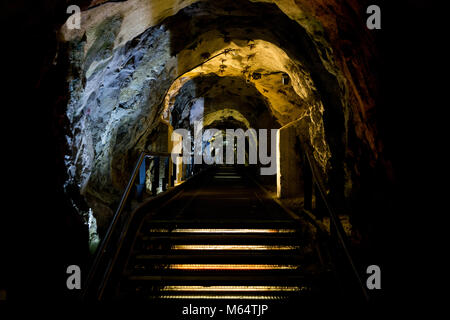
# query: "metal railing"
334,219
107,252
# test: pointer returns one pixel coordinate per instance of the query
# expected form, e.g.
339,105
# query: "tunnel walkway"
220,239
225,193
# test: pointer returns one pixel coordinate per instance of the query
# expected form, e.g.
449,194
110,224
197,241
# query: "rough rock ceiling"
257,63
132,60
324,20
220,93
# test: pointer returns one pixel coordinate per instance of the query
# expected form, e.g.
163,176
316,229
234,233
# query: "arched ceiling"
219,93
251,35
258,63
325,22
226,116
136,60
126,76
253,42
139,15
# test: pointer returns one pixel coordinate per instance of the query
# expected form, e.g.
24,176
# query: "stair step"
220,250
225,223
215,258
216,269
228,289
216,287
237,279
210,230
148,294
238,296
206,239
198,267
233,248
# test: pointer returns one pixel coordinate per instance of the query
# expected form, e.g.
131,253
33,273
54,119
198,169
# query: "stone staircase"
220,260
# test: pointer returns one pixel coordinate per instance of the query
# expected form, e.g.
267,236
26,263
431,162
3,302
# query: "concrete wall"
289,173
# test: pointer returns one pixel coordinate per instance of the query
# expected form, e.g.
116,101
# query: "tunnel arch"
327,87
232,93
129,127
314,127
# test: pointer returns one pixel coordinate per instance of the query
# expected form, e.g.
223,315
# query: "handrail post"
155,175
173,178
166,174
141,185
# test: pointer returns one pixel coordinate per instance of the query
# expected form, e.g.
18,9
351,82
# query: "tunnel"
218,152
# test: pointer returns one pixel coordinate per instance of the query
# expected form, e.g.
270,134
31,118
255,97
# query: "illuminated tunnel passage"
226,193
145,78
221,238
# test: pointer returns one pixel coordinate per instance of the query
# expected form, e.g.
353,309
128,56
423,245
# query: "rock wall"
112,110
124,61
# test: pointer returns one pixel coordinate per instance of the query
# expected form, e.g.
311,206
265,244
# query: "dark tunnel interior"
213,152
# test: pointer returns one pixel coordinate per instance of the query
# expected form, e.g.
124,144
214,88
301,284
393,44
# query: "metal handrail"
333,216
102,249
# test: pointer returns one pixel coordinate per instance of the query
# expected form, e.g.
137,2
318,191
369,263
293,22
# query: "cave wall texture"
128,59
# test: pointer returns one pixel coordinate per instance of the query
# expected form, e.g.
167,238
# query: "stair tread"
217,258
181,254
220,221
220,238
228,278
